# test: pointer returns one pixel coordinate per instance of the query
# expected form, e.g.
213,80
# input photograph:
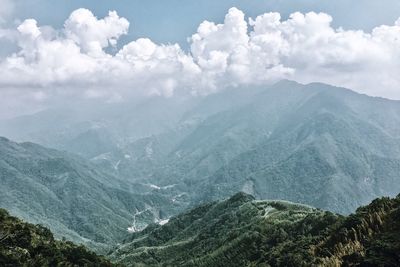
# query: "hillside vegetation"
315,144
244,232
72,197
133,164
23,244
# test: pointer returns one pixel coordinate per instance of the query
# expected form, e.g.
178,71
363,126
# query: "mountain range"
67,194
239,231
97,171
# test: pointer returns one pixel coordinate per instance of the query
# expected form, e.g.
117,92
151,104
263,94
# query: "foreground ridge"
24,244
241,231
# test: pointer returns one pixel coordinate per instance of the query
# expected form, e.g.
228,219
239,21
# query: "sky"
52,52
170,21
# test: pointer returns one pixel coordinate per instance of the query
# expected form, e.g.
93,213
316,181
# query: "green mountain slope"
315,144
72,197
327,152
23,244
370,237
241,231
235,232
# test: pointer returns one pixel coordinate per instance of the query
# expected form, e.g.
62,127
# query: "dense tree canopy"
23,244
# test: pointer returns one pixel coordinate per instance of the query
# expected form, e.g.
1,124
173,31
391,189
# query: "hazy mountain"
90,129
315,144
243,232
330,148
73,198
23,244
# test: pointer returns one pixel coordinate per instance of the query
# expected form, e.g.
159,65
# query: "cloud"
317,52
92,34
229,55
159,69
304,48
75,62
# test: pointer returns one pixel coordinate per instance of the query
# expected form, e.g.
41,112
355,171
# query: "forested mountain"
23,244
315,144
241,231
132,164
329,148
70,196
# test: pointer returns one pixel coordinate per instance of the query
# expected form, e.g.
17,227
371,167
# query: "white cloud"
304,48
74,61
92,34
160,69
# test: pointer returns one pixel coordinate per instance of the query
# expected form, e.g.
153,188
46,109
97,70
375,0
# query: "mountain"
73,198
329,147
23,244
242,231
90,129
314,144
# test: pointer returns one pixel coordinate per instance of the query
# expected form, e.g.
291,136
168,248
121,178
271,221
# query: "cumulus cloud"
92,34
75,61
304,48
161,69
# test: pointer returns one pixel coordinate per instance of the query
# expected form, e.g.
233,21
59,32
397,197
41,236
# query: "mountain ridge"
319,145
67,194
241,231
